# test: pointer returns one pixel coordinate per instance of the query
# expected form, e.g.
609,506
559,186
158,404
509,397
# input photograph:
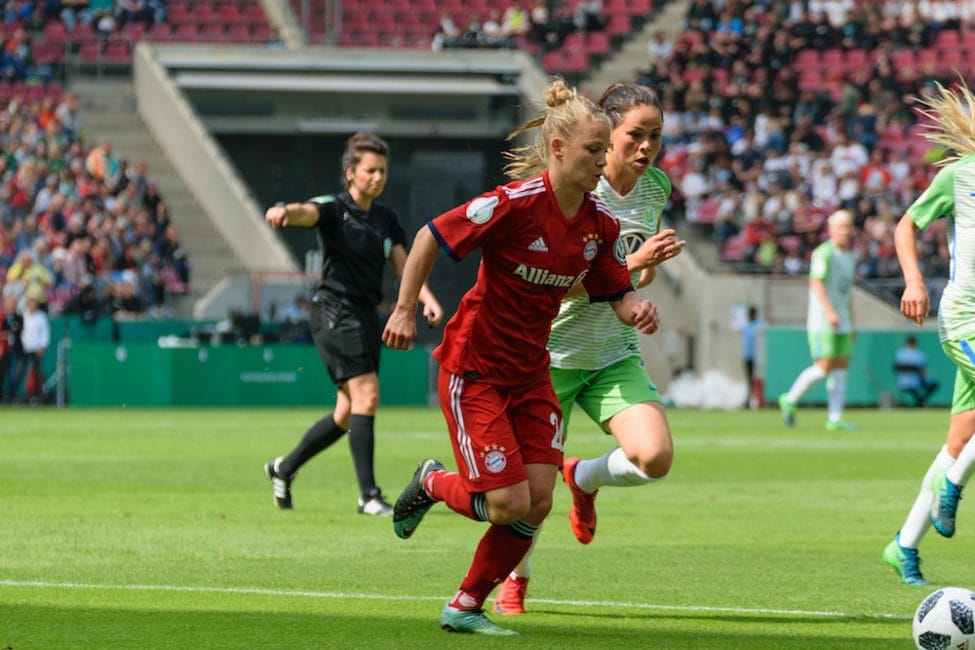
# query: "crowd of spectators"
538,24
82,231
760,156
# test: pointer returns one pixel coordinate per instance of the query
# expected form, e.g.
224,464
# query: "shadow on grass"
27,626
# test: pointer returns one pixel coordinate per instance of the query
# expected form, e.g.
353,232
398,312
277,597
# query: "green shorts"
962,353
603,393
829,345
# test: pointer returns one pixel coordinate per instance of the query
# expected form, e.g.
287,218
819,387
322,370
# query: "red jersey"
530,256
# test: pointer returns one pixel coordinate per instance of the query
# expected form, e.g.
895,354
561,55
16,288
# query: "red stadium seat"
807,59
212,33
640,7
185,33
161,33
575,62
238,34
55,32
598,43
948,39
117,52
832,59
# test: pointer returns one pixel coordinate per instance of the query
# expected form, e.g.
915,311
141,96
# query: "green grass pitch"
155,529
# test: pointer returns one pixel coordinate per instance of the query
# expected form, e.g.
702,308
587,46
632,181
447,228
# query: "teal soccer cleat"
414,502
944,504
905,562
788,410
840,425
470,622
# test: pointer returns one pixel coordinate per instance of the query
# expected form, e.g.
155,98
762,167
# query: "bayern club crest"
494,458
591,246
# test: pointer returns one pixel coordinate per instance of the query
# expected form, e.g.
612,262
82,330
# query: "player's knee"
365,399
540,507
654,463
508,509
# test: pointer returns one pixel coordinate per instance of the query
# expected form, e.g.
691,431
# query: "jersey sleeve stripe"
443,243
521,193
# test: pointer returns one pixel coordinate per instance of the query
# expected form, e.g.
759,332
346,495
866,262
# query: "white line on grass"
757,443
548,601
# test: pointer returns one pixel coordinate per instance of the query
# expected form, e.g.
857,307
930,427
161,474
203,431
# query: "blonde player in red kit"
538,237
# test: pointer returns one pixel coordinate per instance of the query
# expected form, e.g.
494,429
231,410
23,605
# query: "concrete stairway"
633,56
108,114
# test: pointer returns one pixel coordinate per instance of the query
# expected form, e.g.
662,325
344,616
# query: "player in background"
829,324
950,194
595,359
359,238
537,237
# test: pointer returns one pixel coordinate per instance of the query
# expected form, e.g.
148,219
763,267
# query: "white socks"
919,518
836,392
524,568
613,468
804,382
964,466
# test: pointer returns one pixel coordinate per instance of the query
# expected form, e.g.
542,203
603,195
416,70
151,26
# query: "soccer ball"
945,620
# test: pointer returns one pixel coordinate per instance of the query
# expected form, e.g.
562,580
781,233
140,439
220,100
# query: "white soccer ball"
945,620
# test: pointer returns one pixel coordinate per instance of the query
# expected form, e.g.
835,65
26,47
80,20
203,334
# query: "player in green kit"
951,195
595,363
829,323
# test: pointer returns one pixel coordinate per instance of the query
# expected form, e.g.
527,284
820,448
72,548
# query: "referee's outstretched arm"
292,214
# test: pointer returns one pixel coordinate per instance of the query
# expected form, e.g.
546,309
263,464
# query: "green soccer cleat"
840,425
944,504
905,562
470,622
414,502
788,410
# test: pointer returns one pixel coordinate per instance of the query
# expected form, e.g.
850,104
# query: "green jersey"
835,267
951,194
588,336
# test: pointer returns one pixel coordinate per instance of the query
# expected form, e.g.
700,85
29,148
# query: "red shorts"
496,430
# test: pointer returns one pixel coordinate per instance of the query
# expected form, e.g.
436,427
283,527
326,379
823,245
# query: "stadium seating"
408,24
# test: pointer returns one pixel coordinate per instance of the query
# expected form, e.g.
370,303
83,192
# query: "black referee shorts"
347,336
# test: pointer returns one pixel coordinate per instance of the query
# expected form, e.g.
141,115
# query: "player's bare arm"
655,250
819,288
401,327
292,214
641,314
432,310
647,276
915,303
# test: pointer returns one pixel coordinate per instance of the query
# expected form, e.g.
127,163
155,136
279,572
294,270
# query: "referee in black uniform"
359,236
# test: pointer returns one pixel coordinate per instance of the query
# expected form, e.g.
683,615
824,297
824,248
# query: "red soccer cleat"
582,516
510,600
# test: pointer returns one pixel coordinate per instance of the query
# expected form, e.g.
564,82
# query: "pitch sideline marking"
548,601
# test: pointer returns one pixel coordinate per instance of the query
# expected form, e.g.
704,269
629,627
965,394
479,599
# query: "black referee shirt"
355,247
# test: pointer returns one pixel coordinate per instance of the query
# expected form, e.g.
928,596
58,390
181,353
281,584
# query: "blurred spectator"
11,347
67,114
296,312
539,22
130,11
86,305
515,21
588,16
910,367
26,277
125,302
35,338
